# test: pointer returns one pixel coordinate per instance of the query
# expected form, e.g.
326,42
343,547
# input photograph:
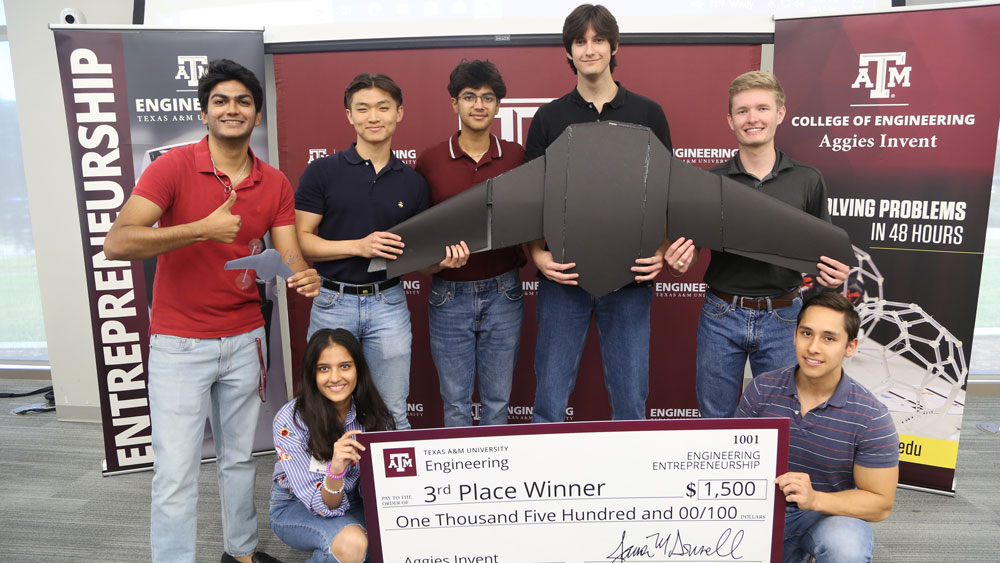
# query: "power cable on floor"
48,406
28,394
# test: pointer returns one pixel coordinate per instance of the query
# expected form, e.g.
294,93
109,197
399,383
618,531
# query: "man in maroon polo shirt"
475,311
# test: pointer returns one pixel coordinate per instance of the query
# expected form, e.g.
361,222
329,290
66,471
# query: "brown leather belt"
758,303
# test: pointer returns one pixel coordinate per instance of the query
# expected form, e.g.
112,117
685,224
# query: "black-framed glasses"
471,98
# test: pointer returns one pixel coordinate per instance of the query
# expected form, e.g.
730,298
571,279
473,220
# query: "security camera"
72,16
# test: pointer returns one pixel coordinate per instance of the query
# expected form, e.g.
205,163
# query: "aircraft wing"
722,214
500,212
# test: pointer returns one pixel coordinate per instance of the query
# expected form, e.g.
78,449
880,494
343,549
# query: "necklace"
477,155
215,170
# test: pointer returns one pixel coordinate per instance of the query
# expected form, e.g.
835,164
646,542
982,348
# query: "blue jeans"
296,526
564,313
475,327
188,379
381,322
830,539
727,336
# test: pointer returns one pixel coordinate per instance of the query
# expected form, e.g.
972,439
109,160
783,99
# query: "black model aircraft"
606,193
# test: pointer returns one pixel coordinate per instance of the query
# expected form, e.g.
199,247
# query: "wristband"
332,476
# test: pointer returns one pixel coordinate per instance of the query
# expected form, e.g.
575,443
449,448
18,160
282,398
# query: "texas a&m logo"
889,73
514,115
191,68
316,153
400,462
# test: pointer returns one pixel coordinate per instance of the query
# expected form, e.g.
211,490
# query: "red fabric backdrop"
691,83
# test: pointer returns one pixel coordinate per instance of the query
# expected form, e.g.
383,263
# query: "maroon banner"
899,113
93,75
691,82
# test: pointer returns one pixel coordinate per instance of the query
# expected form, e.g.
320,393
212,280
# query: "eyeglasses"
471,98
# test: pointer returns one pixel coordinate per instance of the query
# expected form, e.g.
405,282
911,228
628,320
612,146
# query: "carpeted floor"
56,506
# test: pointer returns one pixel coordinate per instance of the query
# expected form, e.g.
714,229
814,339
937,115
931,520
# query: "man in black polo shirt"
352,197
750,307
590,36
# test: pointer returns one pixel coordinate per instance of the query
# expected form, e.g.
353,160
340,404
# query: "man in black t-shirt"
590,36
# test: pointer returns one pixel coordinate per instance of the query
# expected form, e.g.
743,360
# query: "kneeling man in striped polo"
843,452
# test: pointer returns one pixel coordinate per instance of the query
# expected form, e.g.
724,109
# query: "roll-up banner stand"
690,81
899,112
131,94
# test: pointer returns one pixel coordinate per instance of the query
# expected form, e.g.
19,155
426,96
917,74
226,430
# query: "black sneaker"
259,557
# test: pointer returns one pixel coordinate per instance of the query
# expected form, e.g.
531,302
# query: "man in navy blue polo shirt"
843,451
352,197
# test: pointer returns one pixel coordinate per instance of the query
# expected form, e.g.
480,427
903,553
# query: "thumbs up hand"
221,225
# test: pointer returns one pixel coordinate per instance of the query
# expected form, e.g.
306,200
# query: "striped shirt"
291,471
851,427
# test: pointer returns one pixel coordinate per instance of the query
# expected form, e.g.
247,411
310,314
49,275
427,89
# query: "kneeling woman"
315,500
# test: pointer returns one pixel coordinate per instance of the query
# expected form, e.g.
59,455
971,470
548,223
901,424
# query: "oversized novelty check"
684,490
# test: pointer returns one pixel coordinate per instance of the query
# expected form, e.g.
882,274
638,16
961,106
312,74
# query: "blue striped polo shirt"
292,470
851,427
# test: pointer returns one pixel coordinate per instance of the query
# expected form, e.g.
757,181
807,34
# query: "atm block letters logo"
890,72
400,462
190,68
514,116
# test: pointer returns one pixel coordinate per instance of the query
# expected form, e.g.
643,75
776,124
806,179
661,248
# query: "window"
22,332
986,342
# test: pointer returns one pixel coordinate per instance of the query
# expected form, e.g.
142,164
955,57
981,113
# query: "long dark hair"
318,413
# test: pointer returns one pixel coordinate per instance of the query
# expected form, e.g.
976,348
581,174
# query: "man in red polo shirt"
475,311
206,342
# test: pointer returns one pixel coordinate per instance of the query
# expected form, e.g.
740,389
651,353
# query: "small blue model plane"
268,264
